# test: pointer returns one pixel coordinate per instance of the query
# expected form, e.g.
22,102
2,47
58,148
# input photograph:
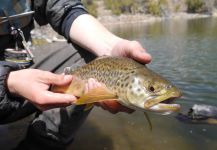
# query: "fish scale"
107,70
129,82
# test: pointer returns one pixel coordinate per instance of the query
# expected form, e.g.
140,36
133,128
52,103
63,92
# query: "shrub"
177,7
154,6
91,7
195,6
120,6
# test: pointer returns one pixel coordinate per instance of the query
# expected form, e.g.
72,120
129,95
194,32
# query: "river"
185,52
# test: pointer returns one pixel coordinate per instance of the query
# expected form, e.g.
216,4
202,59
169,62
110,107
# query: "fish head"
150,91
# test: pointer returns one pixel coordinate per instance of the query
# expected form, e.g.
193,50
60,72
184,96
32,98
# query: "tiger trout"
130,83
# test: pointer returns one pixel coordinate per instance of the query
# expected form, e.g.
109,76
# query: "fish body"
129,82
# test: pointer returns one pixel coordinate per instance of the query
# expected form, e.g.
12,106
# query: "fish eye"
151,88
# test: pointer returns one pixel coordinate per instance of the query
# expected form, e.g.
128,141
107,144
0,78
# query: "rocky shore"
146,18
106,16
45,34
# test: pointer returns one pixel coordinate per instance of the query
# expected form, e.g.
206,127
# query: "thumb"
141,56
62,80
137,52
56,79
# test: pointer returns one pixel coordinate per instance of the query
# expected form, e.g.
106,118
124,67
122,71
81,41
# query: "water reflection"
184,51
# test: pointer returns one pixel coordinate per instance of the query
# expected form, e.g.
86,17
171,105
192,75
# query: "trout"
130,83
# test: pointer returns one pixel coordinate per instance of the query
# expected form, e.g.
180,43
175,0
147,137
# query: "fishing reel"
21,54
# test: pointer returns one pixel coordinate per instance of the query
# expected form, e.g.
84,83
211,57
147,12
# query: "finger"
91,84
109,108
101,104
115,106
51,78
104,106
137,52
141,56
127,110
48,97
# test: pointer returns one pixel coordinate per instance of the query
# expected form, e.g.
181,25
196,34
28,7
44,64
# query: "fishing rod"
9,18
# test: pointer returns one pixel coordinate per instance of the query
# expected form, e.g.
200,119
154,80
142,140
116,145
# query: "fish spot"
132,92
122,85
126,84
138,90
133,80
127,77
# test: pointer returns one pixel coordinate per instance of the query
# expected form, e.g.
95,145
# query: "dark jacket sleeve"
8,103
60,14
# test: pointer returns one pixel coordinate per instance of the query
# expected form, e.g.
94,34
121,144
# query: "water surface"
185,52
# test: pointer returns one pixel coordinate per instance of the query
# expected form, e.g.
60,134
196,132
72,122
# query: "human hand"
110,105
134,50
33,85
100,41
114,107
131,49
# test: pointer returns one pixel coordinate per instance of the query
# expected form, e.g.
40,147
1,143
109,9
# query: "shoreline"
146,18
45,34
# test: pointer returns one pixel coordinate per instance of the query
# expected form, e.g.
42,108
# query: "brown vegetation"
154,7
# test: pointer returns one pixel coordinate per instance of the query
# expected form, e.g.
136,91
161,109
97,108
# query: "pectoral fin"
149,120
96,95
76,87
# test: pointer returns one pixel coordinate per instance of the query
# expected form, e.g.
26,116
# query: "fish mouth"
163,103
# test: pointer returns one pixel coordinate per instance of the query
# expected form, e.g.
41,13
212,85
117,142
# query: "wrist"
11,79
110,46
